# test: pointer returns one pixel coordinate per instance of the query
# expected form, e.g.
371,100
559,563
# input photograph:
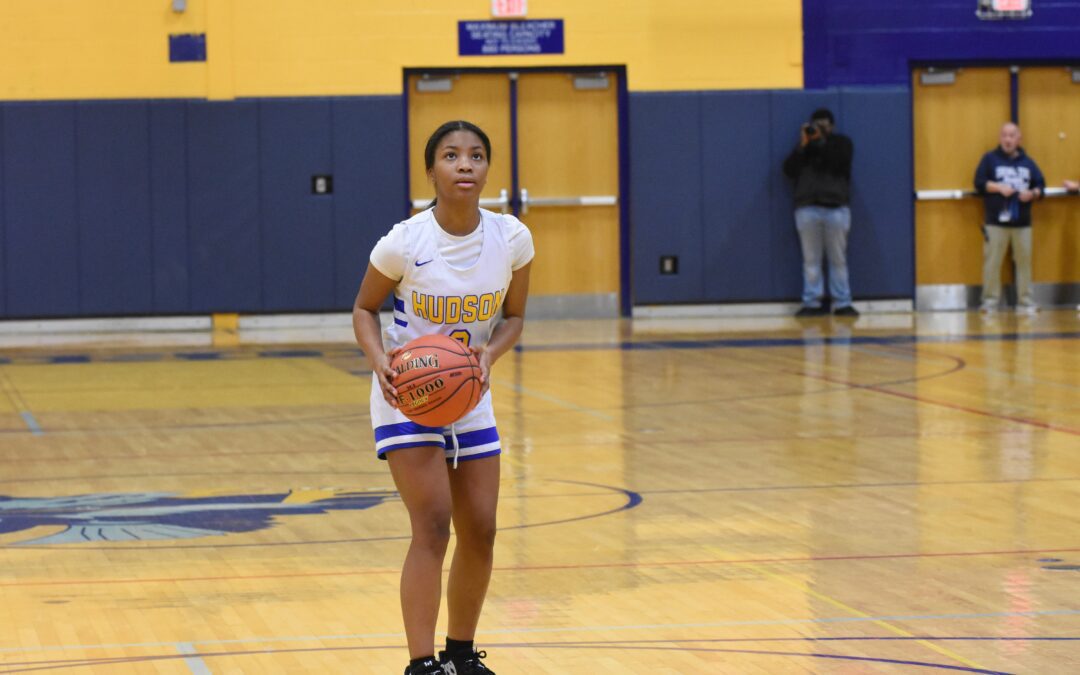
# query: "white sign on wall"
509,8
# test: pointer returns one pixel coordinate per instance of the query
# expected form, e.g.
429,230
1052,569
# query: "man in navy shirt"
1009,182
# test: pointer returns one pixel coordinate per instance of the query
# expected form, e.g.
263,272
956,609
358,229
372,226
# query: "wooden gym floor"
898,495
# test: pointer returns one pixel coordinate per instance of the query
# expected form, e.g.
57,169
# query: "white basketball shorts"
476,433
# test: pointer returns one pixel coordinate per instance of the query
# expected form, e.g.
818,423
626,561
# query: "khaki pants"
996,242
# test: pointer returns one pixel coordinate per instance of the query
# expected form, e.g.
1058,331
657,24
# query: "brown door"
568,170
568,143
954,124
1050,121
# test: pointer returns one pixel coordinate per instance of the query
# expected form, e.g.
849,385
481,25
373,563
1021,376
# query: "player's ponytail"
442,131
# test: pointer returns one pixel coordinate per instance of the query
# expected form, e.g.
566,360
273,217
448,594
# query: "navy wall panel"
666,209
297,226
223,207
40,205
169,221
113,158
723,204
369,183
881,256
790,109
737,200
196,207
853,42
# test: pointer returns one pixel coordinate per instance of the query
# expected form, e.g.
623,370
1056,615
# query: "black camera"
811,130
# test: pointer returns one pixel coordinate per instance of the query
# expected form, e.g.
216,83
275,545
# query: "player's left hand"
484,359
1027,195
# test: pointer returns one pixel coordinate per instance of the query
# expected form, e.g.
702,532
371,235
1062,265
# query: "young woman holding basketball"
451,268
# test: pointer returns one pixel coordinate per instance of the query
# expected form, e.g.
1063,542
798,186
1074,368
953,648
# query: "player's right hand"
386,375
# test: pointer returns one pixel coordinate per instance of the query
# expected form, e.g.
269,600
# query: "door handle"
942,195
579,200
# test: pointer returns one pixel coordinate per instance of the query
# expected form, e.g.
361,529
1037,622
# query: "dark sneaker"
429,667
806,311
465,664
846,310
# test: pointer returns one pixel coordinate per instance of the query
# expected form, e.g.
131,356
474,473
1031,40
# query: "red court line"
945,404
540,568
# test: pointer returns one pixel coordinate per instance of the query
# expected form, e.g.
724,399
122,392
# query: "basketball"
437,380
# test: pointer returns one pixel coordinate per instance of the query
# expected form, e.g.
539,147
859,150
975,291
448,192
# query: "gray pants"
996,241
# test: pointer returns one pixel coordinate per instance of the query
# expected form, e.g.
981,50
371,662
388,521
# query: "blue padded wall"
297,226
882,242
369,166
736,213
168,207
41,235
117,208
223,207
715,194
115,253
666,184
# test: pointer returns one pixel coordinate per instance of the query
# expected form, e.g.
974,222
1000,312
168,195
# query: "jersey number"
461,335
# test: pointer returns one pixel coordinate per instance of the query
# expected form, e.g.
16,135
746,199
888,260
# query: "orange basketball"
437,381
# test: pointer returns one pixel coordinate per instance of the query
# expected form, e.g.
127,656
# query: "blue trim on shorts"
399,304
401,446
466,458
404,429
471,439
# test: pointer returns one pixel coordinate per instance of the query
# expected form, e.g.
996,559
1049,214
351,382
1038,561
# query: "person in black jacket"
821,169
1009,182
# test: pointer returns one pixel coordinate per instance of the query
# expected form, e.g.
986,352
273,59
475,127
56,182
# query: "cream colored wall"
76,49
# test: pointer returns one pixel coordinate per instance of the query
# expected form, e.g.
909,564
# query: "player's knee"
433,529
481,536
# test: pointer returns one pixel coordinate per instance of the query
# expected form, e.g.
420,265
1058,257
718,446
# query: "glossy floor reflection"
898,494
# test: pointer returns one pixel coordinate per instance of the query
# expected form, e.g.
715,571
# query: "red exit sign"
509,8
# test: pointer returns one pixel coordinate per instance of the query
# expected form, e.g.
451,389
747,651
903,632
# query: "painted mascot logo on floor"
164,516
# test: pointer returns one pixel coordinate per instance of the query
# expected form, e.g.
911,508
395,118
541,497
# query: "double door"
554,164
957,118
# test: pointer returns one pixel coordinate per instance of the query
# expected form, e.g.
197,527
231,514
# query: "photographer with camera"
821,169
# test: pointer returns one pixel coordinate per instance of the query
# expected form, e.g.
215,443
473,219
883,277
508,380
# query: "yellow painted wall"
78,49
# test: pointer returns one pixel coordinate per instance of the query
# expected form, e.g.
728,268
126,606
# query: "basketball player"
451,268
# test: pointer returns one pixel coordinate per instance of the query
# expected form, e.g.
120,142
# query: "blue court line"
904,339
836,657
57,665
31,422
603,629
625,345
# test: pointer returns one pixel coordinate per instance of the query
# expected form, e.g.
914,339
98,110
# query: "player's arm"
508,330
373,291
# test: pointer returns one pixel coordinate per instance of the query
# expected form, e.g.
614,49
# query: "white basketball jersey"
433,297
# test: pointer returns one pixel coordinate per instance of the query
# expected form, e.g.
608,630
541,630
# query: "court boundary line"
47,357
538,568
15,667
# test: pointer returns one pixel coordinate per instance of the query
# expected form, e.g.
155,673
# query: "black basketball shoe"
465,664
426,667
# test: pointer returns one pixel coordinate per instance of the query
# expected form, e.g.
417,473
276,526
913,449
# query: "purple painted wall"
861,42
